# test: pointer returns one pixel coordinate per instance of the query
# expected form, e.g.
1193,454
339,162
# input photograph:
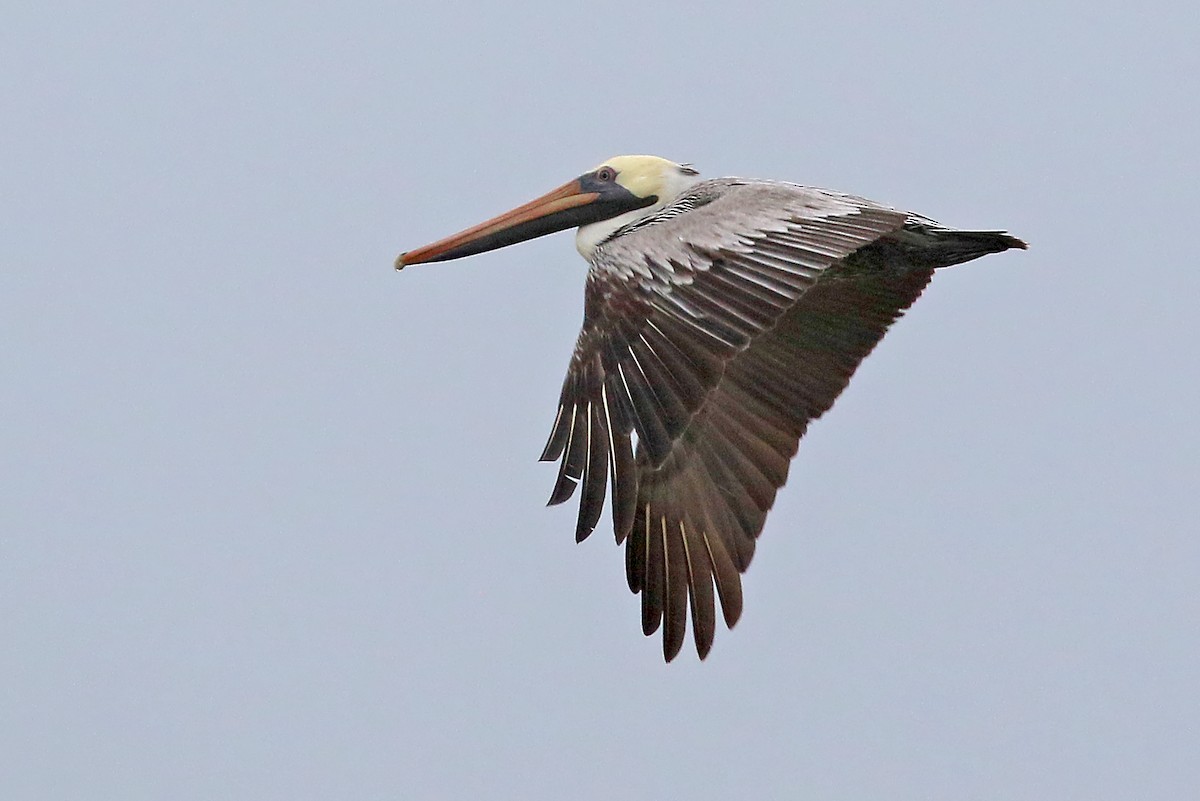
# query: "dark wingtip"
651,619
564,488
671,647
583,531
731,610
549,454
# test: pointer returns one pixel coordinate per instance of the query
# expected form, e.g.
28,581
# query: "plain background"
271,520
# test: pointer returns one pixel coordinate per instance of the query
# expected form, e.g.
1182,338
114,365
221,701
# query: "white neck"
589,236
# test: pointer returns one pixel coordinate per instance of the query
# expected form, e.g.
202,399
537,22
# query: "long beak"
565,207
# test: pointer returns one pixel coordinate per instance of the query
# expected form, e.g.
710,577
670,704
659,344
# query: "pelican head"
614,194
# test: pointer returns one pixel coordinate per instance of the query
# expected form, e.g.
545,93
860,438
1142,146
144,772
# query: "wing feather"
675,585
595,474
654,567
700,585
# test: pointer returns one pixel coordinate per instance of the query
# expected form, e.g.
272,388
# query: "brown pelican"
720,318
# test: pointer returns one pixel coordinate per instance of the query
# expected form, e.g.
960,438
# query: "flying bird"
720,318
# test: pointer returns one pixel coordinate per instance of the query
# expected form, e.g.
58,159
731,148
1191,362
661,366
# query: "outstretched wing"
714,332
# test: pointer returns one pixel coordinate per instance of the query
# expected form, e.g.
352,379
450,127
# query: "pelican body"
721,317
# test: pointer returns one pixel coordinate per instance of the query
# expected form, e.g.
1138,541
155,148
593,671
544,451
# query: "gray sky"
271,520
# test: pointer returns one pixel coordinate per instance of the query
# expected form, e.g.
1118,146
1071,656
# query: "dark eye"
606,174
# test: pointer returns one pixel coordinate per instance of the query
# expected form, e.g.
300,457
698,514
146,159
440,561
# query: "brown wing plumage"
713,333
710,497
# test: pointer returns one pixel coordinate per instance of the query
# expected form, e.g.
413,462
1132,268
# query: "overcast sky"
271,520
